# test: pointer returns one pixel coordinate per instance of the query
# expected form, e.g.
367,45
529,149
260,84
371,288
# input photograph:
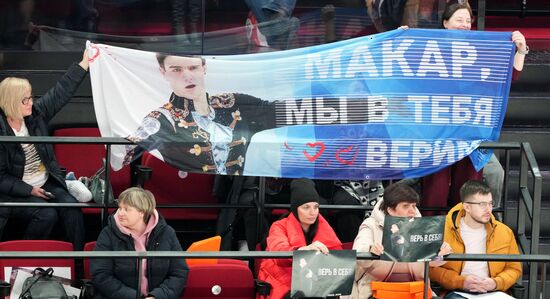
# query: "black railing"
528,205
531,258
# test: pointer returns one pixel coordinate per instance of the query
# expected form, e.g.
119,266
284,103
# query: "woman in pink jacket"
303,229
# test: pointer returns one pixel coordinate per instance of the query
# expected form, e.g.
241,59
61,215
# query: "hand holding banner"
320,275
412,239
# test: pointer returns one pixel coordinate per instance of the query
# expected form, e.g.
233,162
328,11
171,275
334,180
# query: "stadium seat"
227,279
347,246
86,159
169,188
86,263
210,244
36,245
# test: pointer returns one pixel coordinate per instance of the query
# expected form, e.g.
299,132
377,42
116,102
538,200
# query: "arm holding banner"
278,240
521,50
365,240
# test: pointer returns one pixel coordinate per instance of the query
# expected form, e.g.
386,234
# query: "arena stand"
527,118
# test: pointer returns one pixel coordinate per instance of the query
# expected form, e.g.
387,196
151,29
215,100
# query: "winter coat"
117,278
370,232
12,157
500,240
287,235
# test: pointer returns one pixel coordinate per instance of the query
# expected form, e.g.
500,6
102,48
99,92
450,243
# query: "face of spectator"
26,103
478,207
185,75
129,216
403,209
460,20
308,213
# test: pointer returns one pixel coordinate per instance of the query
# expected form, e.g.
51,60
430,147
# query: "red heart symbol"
95,52
346,150
319,153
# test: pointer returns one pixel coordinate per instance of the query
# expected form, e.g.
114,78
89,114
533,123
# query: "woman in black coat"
137,225
29,172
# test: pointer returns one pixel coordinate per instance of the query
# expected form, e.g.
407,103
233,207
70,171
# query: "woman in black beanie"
303,229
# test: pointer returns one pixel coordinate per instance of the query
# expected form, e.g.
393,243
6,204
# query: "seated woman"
137,225
303,229
29,173
400,200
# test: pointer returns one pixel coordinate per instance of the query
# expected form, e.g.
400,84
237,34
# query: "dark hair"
397,193
161,57
452,7
473,187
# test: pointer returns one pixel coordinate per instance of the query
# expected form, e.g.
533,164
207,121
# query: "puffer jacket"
12,157
117,278
500,240
370,232
287,235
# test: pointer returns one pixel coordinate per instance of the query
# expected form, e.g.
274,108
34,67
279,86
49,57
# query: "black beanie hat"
301,192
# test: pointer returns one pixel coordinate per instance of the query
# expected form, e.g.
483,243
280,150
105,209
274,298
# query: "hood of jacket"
154,231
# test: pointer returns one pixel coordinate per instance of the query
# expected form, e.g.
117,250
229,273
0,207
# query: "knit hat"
302,191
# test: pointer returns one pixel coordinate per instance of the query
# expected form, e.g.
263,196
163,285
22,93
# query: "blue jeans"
276,21
41,220
262,8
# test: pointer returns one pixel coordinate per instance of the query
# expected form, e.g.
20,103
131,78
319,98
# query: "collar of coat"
457,212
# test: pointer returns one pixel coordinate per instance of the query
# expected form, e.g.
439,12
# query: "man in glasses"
471,228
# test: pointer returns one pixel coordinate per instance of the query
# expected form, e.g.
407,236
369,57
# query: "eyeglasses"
482,204
26,100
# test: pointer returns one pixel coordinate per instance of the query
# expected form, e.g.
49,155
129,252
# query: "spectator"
389,15
471,228
276,21
137,225
399,200
29,172
366,193
16,25
303,229
241,225
441,188
186,14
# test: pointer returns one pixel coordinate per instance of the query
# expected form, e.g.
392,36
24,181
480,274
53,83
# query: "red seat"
347,246
227,279
169,188
85,159
36,245
86,263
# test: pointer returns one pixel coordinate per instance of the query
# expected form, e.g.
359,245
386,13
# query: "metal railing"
531,258
528,205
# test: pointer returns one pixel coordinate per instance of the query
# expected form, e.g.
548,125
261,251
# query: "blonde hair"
12,92
140,199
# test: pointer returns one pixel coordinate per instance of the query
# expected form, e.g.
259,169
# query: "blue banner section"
399,104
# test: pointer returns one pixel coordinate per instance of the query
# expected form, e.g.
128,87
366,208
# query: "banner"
315,274
412,239
404,103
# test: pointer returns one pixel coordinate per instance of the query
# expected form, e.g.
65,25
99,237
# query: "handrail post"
426,278
139,269
260,209
481,15
528,158
504,198
105,208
